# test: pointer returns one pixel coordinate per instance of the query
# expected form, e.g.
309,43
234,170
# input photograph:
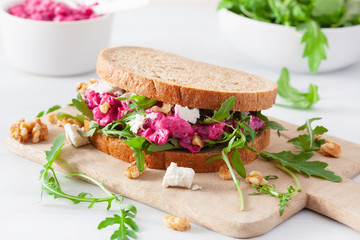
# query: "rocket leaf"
299,163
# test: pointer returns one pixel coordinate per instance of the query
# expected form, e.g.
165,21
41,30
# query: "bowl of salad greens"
302,35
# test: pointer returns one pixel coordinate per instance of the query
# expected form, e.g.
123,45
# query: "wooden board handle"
339,201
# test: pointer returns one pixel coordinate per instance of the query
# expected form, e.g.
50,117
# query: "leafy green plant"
51,185
292,95
299,163
284,198
308,16
309,142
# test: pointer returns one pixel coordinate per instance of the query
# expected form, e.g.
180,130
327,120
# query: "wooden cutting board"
216,205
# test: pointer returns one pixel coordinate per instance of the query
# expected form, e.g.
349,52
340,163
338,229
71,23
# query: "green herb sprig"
50,184
309,142
299,163
290,94
284,198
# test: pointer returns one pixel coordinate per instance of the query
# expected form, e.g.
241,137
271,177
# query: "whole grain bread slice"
178,80
184,158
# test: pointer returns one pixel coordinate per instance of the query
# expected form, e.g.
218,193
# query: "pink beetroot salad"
161,128
48,10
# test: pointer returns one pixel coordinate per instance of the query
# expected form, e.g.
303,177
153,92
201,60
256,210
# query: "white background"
189,29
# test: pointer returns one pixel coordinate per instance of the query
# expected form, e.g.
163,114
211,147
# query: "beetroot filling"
162,127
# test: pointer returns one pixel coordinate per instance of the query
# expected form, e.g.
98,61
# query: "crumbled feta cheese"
152,115
103,87
196,187
190,115
137,123
178,176
73,137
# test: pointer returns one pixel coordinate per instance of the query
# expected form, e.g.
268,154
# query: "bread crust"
161,160
185,95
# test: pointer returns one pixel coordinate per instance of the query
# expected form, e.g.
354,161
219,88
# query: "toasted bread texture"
178,80
184,158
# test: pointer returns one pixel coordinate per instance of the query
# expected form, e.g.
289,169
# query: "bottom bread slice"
161,160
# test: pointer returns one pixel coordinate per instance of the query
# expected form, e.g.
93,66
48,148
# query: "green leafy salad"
308,16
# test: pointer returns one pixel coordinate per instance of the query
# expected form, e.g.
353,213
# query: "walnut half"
256,178
35,130
330,149
133,172
176,223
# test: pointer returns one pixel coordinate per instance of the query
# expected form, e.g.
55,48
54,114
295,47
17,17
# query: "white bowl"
53,48
280,46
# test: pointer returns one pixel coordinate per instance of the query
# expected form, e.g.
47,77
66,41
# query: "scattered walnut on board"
256,178
52,118
330,149
133,172
177,223
34,130
224,172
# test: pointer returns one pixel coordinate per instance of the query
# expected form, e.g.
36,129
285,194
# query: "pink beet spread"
47,10
159,129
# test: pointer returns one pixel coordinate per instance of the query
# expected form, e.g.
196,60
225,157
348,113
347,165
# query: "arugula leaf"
223,112
299,163
51,185
138,144
127,226
173,144
290,94
52,109
315,43
80,105
271,124
142,102
55,149
238,163
284,198
309,142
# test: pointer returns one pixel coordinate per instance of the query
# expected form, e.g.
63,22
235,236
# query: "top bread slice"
174,79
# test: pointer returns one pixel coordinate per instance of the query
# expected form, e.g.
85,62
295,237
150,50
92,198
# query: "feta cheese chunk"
103,87
137,123
190,115
178,176
73,137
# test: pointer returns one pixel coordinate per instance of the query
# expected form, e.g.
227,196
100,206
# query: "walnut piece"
330,149
256,178
36,130
81,87
63,121
196,140
104,108
165,108
224,172
52,118
177,223
133,172
39,132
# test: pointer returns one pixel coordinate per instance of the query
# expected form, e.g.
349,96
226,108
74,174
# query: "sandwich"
154,107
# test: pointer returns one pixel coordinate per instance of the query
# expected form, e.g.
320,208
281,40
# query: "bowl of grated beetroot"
51,38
